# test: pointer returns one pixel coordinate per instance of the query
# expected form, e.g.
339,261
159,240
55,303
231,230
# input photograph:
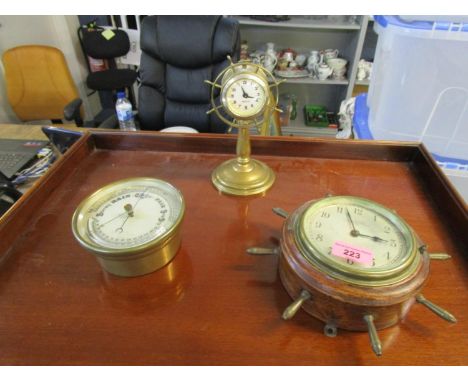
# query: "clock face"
354,238
245,97
129,214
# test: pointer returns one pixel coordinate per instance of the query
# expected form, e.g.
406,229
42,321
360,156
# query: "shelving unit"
306,22
368,50
314,81
303,34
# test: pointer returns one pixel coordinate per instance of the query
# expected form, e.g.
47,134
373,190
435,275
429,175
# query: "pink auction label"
351,252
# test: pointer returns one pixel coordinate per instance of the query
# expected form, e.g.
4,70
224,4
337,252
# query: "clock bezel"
239,77
359,276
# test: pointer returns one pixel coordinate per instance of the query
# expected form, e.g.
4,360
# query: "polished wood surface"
214,304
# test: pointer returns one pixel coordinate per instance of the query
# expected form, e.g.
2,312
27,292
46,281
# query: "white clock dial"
245,97
360,228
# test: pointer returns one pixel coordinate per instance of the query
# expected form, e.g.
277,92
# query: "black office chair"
178,54
113,79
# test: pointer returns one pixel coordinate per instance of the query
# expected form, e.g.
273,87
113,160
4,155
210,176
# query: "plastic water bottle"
124,112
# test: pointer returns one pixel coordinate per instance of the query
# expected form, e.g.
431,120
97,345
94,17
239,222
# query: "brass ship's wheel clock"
248,96
353,264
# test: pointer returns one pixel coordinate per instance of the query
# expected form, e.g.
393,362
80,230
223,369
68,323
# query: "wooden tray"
214,304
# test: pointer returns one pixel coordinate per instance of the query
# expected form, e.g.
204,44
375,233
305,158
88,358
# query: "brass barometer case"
351,263
132,226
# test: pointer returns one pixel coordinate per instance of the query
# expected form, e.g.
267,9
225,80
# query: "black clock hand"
245,94
375,238
354,231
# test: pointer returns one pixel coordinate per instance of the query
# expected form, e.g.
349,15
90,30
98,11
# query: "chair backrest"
98,46
178,54
38,81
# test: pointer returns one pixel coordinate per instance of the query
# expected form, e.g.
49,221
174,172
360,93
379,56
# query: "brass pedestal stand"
243,175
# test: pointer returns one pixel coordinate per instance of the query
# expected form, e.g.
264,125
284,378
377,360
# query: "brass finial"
373,336
442,313
292,309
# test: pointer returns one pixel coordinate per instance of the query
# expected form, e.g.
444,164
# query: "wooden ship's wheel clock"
353,264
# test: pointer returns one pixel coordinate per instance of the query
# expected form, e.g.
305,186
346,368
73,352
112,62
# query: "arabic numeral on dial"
339,209
393,243
325,214
388,255
319,237
373,261
386,229
329,250
318,224
357,211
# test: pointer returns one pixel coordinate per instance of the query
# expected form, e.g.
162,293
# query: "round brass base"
243,179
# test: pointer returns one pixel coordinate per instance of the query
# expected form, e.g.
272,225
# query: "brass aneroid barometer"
353,264
132,225
248,95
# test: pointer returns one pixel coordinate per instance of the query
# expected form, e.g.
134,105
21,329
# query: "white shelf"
313,81
362,82
307,131
298,128
312,22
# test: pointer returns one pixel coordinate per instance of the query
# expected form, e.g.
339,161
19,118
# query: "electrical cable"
47,157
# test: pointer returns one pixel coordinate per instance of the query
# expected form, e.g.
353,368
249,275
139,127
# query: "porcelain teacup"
330,53
337,63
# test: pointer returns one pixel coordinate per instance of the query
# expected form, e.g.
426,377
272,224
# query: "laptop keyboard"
9,161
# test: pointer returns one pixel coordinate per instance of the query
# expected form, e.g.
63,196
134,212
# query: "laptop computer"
15,154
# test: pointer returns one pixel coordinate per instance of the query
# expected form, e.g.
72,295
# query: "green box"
315,116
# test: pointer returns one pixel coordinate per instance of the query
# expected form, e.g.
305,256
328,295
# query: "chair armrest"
71,112
110,123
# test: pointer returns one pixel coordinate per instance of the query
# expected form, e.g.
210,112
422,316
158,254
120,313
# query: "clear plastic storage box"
455,169
419,84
